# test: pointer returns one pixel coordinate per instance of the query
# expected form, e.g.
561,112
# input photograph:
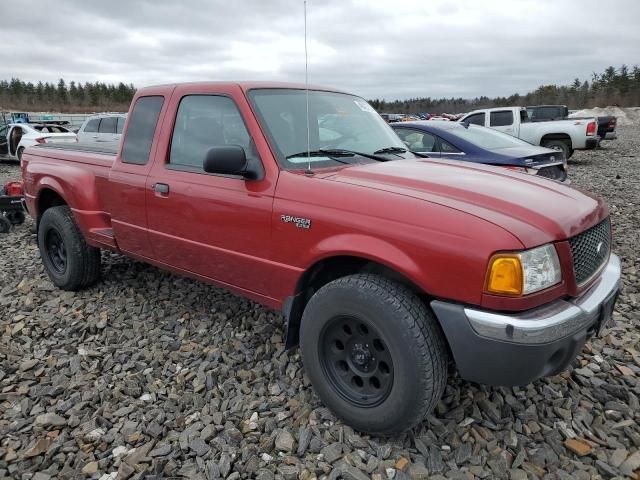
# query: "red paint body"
435,222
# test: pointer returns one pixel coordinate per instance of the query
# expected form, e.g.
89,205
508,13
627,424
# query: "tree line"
619,86
612,87
16,94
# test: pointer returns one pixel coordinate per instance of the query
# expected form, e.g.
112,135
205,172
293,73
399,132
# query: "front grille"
590,249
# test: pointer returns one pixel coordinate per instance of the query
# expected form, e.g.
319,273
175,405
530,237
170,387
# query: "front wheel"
67,258
374,353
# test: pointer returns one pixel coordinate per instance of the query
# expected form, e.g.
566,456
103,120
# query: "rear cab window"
120,125
92,125
108,125
501,118
142,126
475,119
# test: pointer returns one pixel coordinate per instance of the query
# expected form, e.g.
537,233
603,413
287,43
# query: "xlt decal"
299,222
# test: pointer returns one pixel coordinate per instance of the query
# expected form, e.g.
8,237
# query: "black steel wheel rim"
356,361
56,251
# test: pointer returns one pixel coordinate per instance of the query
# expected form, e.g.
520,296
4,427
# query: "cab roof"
249,85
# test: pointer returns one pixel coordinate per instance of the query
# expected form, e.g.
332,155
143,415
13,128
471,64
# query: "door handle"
161,188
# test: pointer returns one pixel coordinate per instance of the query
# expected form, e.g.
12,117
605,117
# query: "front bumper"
515,349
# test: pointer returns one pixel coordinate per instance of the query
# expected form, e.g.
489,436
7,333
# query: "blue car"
473,143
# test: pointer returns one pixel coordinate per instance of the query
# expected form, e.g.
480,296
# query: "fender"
373,249
64,179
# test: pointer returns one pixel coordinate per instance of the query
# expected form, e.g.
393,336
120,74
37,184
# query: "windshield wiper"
338,152
391,150
342,151
332,154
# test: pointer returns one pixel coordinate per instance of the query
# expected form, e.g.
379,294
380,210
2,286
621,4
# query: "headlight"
521,273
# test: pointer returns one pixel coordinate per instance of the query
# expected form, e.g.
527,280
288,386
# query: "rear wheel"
559,145
5,224
16,217
67,258
374,353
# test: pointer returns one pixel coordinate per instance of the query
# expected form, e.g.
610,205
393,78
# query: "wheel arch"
331,268
565,137
48,197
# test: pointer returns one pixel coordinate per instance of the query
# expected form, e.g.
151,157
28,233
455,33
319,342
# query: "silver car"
103,127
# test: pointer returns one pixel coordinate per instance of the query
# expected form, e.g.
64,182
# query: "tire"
16,217
5,224
402,347
560,145
70,263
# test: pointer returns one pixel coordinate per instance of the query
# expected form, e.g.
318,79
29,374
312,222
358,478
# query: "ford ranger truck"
387,267
564,135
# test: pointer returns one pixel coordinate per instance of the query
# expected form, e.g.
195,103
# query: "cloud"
378,49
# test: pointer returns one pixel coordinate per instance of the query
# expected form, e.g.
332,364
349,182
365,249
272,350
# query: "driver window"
203,122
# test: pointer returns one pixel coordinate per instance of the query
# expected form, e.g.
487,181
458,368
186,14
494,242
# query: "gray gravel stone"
284,441
332,452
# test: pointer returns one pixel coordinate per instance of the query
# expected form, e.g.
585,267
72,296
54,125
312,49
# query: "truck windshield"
337,121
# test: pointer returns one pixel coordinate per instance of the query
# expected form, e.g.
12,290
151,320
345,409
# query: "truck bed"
105,148
81,170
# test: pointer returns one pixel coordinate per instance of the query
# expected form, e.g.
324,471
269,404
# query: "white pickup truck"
562,135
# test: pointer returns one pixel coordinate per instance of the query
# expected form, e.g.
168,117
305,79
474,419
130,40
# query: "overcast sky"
377,49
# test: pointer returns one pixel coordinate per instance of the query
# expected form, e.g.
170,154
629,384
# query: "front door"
216,226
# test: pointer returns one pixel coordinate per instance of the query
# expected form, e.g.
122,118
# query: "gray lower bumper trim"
553,321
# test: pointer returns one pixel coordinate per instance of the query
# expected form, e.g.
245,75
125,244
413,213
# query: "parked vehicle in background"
104,127
563,135
382,269
545,113
472,143
22,135
393,117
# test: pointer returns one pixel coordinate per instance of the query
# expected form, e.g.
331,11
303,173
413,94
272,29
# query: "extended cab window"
92,125
144,118
120,125
203,122
501,118
108,125
476,119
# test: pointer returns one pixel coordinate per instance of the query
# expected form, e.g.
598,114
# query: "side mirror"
227,160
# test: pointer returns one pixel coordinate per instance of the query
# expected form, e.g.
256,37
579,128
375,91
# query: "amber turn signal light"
504,276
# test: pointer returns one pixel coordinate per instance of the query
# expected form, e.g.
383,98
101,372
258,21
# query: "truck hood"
535,210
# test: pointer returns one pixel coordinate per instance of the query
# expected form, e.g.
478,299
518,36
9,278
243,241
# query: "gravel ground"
148,375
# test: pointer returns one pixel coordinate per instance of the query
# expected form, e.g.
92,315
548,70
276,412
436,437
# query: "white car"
563,135
104,127
22,135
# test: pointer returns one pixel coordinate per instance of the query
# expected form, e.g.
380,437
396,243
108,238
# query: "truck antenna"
306,85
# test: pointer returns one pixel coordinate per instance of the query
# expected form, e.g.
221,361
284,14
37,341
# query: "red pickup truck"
387,267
